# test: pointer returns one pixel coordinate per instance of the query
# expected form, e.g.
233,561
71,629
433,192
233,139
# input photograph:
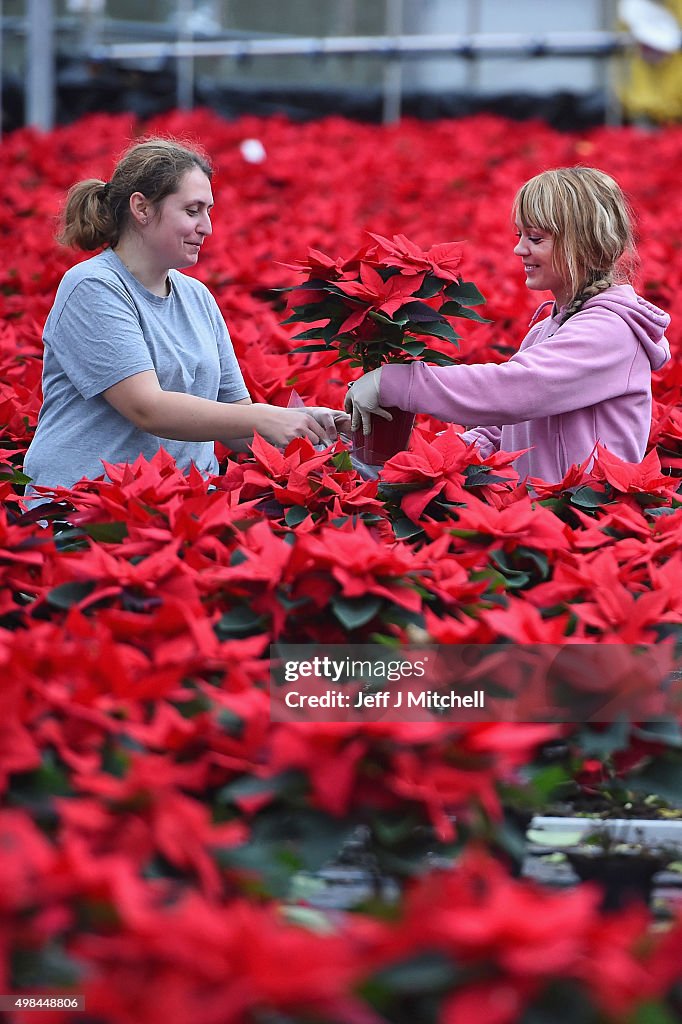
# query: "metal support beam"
509,44
40,74
185,65
473,23
393,72
610,69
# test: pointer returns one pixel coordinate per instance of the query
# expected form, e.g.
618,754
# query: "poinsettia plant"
382,304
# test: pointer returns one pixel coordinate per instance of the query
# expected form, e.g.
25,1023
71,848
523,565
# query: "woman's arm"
587,361
488,439
181,417
241,444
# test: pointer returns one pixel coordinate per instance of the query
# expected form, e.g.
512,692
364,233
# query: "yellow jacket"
653,89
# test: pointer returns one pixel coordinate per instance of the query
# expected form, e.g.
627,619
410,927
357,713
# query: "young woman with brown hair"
137,354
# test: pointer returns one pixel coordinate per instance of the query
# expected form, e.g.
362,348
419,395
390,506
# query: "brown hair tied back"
96,212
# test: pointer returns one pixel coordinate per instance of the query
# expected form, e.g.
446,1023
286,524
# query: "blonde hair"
96,212
589,219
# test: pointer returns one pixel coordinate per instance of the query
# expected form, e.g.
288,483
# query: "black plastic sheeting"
85,89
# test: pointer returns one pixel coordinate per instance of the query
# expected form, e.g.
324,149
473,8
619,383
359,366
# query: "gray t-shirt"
105,326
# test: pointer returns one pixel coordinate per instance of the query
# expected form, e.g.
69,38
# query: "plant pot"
625,877
385,439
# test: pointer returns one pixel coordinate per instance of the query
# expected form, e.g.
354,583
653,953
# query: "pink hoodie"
566,388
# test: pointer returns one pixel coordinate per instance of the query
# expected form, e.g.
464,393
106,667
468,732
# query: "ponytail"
88,222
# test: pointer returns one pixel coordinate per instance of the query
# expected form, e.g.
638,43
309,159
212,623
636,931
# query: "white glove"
332,421
362,400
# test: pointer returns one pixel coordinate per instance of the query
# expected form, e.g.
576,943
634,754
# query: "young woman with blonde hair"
582,375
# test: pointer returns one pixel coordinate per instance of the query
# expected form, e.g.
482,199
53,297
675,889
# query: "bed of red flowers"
153,817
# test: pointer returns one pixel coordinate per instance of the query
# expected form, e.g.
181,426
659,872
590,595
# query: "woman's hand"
280,426
332,421
362,400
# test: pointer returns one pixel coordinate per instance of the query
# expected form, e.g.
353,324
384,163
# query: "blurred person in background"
137,354
582,375
651,92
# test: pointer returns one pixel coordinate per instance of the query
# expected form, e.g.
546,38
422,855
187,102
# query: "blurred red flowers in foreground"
157,828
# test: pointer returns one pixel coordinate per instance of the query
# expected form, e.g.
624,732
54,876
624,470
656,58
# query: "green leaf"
420,312
342,462
430,286
562,1001
662,777
295,515
50,965
325,331
50,779
108,533
272,865
480,476
441,329
251,785
587,497
423,972
538,557
240,621
546,781
514,577
16,477
308,315
653,1013
356,611
512,839
230,723
304,349
439,357
68,594
379,345
465,292
284,842
414,347
455,309
382,318
607,739
68,538
404,528
315,284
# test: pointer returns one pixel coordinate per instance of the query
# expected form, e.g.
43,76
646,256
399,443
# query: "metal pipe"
609,70
185,65
393,72
473,23
40,76
512,44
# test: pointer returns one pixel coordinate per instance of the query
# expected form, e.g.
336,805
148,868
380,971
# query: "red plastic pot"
386,437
